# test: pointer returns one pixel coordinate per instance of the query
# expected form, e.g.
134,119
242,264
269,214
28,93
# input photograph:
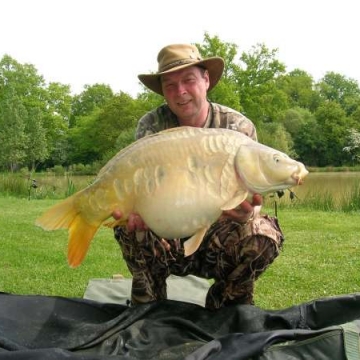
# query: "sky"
79,42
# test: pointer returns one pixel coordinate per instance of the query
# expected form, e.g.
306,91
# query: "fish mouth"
299,178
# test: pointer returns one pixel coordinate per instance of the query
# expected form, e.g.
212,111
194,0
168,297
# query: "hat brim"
214,65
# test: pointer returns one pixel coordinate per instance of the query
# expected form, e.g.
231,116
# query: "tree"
148,100
44,110
353,144
332,121
97,134
226,91
355,117
310,144
13,138
275,136
294,119
81,139
36,146
24,80
340,89
256,77
56,119
93,97
117,116
299,87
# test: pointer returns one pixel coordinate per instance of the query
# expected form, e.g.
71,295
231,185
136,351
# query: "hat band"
178,63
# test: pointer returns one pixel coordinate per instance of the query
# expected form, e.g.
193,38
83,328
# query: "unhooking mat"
45,327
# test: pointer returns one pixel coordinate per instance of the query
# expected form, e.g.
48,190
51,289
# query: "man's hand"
245,211
134,223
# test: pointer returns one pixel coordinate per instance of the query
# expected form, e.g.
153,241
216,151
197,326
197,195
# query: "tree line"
43,126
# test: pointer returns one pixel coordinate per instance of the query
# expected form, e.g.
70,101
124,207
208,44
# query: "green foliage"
298,86
293,119
81,139
333,123
147,101
33,116
275,136
308,143
93,97
225,92
125,138
337,88
37,150
13,138
97,134
256,76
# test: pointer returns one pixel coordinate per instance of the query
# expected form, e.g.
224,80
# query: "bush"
58,170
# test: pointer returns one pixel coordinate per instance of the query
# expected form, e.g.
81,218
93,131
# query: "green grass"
320,256
33,261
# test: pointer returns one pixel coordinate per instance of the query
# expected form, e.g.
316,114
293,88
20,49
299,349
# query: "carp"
179,181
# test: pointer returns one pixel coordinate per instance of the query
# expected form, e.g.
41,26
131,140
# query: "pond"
335,184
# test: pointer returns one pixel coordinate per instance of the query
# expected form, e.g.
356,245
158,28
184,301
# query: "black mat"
41,327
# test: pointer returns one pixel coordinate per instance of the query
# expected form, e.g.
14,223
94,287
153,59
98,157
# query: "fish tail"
65,216
80,236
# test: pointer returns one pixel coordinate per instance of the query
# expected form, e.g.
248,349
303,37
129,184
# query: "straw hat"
179,56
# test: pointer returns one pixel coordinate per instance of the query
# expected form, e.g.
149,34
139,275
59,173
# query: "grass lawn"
320,257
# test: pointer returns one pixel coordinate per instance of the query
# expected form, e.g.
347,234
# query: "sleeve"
225,117
156,120
146,126
241,123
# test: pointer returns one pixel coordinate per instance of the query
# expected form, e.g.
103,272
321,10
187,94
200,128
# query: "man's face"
185,92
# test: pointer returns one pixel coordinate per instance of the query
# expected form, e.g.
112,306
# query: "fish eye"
276,158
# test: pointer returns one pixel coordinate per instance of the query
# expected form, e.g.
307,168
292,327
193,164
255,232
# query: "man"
242,243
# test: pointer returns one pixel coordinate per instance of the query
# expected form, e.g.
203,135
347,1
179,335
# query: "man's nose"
181,88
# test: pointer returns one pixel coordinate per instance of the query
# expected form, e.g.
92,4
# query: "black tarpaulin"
45,327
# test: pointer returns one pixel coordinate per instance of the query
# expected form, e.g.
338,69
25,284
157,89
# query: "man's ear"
207,78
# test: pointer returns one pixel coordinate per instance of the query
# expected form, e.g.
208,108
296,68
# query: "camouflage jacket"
219,116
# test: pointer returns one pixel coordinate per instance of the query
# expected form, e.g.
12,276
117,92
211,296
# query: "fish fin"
112,224
59,216
80,236
192,244
65,216
239,197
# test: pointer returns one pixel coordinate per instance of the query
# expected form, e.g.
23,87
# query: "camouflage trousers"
232,254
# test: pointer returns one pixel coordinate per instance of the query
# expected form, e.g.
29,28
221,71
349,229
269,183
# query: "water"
335,184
